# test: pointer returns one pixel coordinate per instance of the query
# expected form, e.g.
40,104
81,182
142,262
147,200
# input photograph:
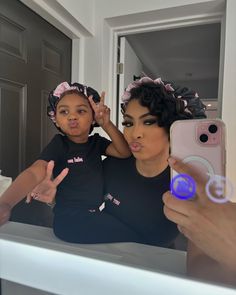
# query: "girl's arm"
119,147
24,183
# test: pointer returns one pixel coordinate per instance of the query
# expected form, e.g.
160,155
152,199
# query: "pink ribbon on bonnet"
145,80
61,88
190,98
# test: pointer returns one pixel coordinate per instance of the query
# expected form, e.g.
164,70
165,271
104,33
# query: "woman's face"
146,139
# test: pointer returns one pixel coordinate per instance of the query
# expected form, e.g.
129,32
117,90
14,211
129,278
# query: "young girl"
74,109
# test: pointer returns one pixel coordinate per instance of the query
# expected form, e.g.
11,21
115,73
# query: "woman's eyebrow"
127,116
145,115
141,117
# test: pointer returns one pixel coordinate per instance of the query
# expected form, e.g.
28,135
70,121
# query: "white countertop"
33,256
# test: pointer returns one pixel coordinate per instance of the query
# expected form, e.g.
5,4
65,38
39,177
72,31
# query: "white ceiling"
188,53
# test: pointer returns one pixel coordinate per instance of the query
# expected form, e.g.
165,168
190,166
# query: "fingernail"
164,196
171,161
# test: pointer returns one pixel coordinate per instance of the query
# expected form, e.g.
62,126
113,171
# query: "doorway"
188,56
34,58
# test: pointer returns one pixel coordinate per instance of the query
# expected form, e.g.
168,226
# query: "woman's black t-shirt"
137,200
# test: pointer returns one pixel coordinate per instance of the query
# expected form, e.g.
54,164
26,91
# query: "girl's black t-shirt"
83,186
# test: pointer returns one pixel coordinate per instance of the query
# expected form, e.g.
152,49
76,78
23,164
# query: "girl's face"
74,116
146,139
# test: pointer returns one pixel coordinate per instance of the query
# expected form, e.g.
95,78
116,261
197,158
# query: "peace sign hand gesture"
46,190
101,111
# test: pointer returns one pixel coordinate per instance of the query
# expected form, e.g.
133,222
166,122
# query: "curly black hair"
160,102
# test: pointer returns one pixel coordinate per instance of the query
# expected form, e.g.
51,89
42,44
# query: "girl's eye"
63,112
127,124
81,111
150,122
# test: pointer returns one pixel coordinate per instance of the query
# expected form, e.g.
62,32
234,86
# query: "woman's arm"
25,182
210,229
119,147
202,266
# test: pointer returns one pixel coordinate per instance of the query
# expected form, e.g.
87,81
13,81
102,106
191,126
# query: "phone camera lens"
203,138
212,128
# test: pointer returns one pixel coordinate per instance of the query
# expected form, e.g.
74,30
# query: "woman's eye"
150,122
127,124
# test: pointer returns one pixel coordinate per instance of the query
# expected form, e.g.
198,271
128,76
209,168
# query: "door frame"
165,24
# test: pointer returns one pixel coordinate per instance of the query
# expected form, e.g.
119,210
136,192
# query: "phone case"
201,143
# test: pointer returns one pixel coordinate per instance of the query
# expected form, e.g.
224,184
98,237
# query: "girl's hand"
46,190
101,111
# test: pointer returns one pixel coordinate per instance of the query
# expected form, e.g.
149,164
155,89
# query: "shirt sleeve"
103,143
52,150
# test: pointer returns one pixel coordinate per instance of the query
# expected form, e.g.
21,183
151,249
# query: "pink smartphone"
201,144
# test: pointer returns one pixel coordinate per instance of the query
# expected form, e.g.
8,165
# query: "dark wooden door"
34,58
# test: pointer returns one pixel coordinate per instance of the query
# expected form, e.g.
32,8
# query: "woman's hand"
210,226
46,190
101,111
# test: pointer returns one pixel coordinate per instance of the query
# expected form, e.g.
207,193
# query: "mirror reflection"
121,209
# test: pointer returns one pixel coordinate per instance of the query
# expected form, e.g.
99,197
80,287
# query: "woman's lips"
135,146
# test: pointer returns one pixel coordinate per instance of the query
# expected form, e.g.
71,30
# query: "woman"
134,186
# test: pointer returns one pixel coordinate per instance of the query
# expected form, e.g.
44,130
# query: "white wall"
82,10
112,8
229,89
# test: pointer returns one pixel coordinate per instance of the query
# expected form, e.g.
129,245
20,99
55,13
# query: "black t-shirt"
137,200
83,186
